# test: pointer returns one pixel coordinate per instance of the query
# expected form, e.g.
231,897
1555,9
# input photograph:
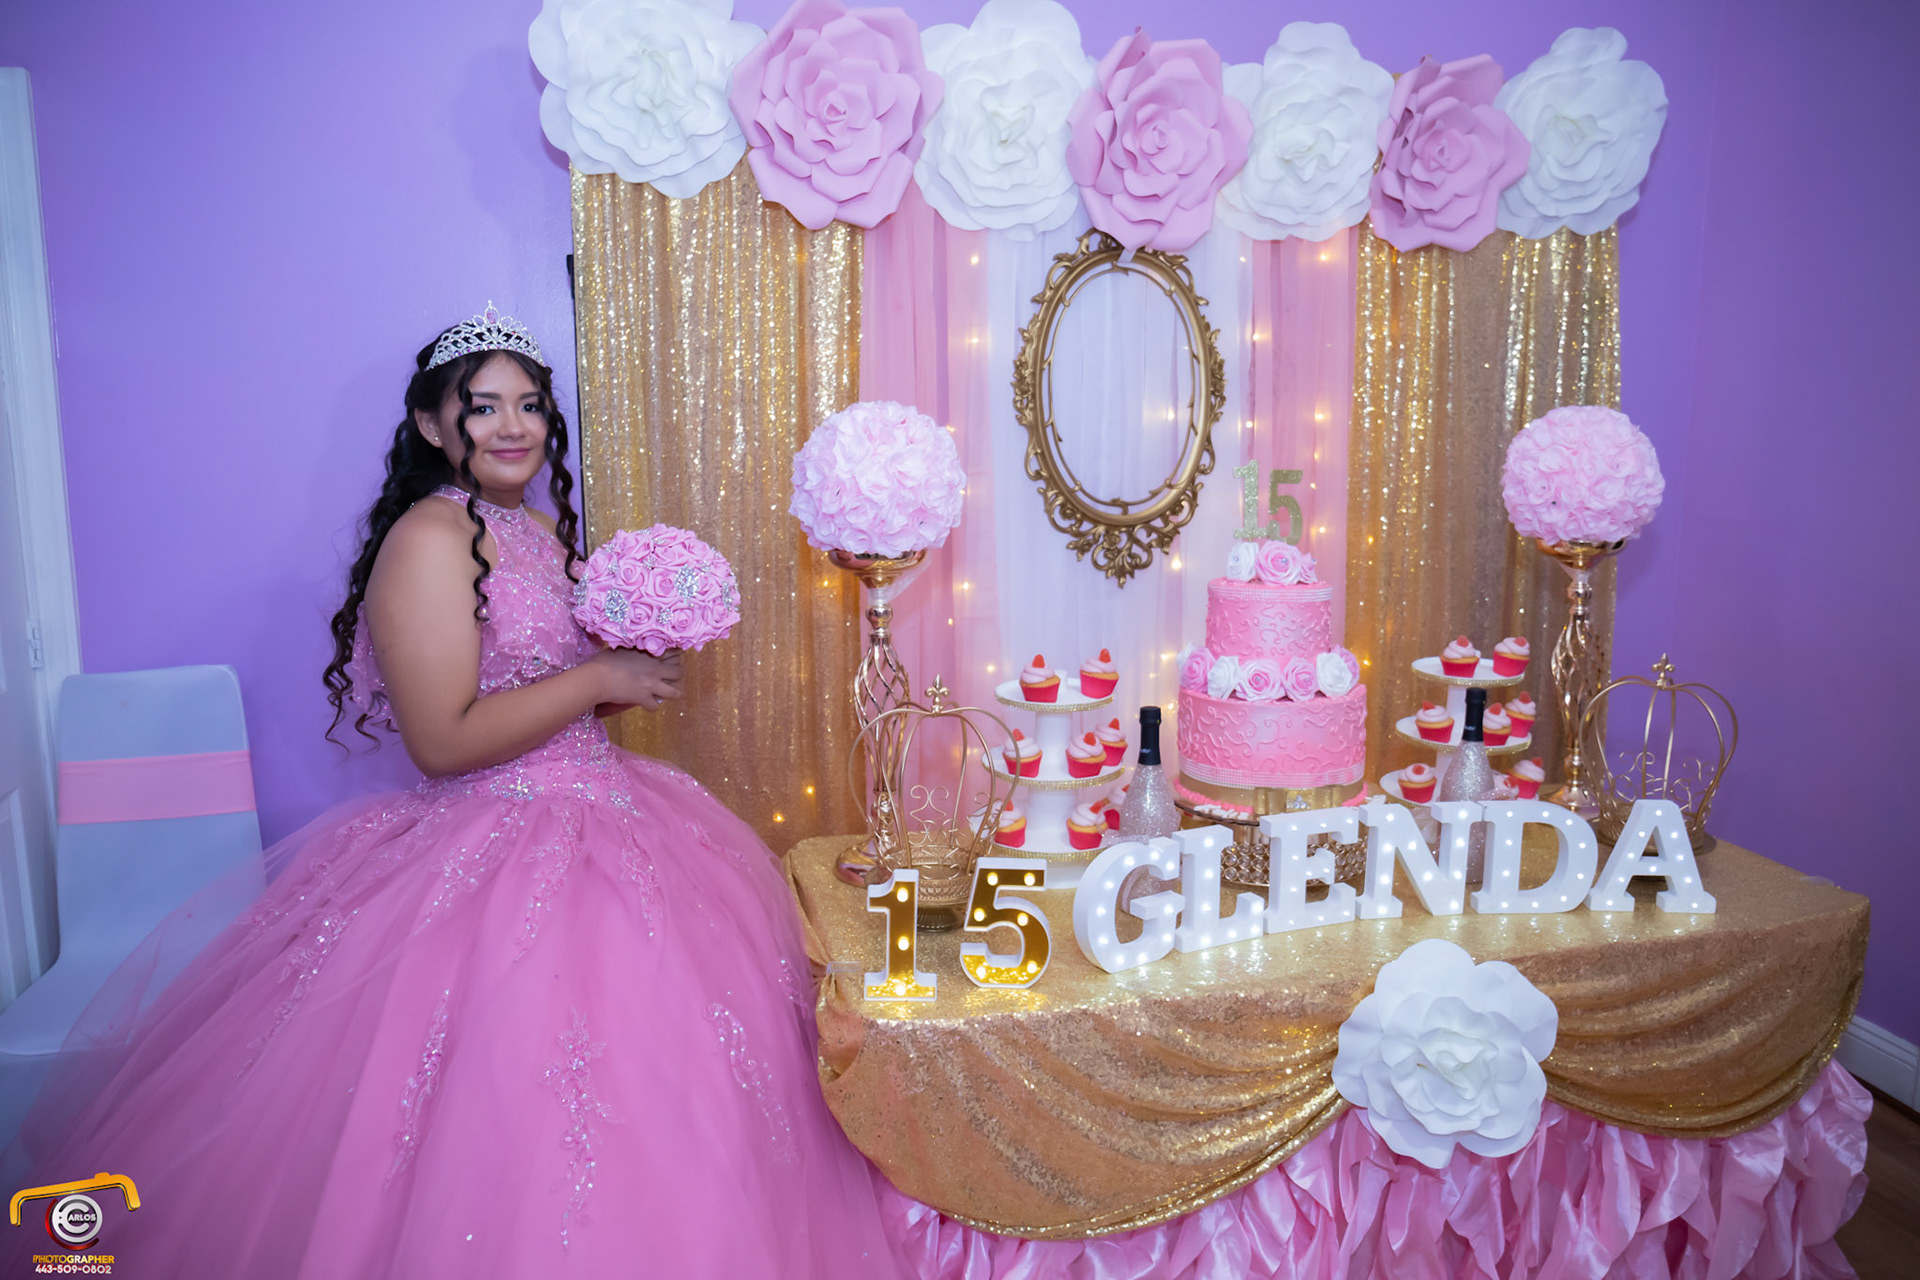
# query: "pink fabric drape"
1301,389
188,786
923,311
1583,1200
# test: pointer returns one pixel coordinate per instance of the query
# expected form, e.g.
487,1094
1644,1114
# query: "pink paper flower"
1447,154
656,589
1278,564
1299,680
878,478
1154,140
1582,473
1195,662
1259,680
834,104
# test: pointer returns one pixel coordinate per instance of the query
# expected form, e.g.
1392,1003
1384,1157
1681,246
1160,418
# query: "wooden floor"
1883,1239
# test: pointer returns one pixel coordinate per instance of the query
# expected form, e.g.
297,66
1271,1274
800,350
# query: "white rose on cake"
1335,672
1241,561
1224,678
1447,1053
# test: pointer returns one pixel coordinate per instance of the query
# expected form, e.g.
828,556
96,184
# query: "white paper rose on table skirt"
996,153
1592,117
1446,1053
1317,107
639,87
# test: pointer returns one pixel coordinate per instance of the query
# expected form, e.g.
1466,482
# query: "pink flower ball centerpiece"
1583,473
878,480
656,589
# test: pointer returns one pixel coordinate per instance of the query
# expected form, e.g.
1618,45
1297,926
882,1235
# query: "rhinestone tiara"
488,331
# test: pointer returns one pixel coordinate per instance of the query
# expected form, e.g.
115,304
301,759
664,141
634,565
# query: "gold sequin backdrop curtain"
1453,353
713,334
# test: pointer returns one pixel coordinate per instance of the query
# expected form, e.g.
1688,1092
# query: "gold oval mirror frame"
1120,534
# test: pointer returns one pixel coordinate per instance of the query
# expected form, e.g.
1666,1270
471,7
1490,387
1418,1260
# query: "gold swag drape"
713,334
1454,353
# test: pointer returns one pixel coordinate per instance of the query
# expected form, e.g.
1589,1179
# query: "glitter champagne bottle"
1470,777
1148,808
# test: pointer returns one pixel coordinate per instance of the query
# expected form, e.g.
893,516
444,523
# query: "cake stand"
1053,793
1483,677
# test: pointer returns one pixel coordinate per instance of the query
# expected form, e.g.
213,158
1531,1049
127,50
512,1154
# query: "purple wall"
256,212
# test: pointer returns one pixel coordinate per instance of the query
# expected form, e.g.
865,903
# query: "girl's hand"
635,678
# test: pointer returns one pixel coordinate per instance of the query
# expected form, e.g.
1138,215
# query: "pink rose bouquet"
1259,680
1154,140
1281,564
878,479
1447,154
834,104
1195,662
656,589
1299,680
1582,473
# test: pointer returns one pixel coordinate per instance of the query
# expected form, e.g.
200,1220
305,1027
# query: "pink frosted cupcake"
1460,658
1433,722
1528,775
1098,675
1114,739
1417,782
1038,682
1022,755
1110,803
1085,757
1496,724
1012,831
1085,827
1520,710
1510,656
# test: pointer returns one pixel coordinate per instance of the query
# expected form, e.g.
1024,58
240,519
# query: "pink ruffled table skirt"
1584,1199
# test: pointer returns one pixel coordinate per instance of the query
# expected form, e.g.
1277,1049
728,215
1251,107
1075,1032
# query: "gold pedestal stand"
1244,862
1579,666
879,686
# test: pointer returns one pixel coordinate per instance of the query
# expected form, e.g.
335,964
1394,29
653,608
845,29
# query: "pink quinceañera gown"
552,1017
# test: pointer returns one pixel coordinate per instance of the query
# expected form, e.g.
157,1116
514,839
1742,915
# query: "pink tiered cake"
1235,741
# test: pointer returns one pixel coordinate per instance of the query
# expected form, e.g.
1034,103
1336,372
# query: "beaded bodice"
528,634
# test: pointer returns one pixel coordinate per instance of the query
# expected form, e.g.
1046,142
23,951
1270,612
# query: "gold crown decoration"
933,806
1678,756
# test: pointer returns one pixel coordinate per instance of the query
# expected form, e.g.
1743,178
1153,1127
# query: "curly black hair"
415,468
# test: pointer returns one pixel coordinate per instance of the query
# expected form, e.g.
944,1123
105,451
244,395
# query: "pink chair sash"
189,786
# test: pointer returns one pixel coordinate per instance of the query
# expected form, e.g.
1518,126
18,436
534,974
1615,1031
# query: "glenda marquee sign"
1189,917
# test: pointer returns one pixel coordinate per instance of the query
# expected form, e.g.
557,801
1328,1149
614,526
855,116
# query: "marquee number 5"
990,906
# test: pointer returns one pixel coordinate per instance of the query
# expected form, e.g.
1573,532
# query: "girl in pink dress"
546,1014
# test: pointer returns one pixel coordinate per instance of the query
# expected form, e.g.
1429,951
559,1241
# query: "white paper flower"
1242,558
1317,107
1592,118
996,153
1446,1052
1223,677
639,87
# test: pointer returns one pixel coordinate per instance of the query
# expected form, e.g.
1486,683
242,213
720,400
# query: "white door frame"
27,380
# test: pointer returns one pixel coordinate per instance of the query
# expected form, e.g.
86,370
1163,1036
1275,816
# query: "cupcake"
1038,684
1528,775
1510,656
1012,831
1022,755
1085,827
1520,710
1434,724
1085,757
1505,788
1110,805
1495,725
1459,658
1098,675
1114,739
1417,782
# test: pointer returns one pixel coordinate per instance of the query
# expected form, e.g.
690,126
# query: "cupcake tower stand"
1457,686
1052,794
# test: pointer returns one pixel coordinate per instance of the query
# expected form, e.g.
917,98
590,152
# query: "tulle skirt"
471,1033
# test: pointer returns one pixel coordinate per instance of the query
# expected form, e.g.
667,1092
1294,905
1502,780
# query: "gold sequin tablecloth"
1096,1102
